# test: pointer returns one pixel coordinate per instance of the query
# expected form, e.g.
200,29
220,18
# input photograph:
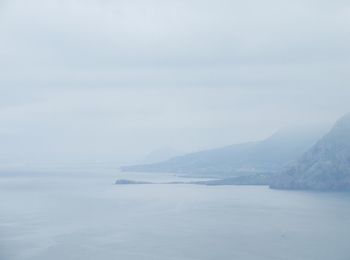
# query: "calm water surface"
84,216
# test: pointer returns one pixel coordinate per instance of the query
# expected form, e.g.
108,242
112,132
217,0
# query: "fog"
93,90
111,81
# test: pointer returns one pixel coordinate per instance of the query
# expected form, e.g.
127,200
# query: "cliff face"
326,166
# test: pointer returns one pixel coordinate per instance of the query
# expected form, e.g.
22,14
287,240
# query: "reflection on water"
77,216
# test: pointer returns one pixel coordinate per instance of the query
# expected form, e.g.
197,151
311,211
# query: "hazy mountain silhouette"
325,166
269,155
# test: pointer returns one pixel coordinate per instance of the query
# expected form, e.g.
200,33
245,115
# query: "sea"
85,216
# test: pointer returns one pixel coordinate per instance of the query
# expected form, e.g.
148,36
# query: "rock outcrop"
325,166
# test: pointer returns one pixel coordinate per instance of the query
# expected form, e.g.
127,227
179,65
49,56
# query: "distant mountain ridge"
266,156
325,166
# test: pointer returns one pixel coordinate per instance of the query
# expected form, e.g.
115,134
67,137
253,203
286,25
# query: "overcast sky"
115,80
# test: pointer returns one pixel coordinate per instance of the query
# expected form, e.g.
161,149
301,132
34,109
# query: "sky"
111,81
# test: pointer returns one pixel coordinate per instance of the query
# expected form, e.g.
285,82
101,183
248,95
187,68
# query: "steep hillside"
240,159
325,166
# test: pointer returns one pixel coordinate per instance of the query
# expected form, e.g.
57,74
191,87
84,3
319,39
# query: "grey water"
74,216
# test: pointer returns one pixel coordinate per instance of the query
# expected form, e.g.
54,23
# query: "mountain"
325,166
239,159
161,154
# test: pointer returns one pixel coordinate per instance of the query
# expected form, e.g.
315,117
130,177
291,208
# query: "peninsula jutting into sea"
286,160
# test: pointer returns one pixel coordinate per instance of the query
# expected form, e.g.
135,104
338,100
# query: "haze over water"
107,84
84,216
